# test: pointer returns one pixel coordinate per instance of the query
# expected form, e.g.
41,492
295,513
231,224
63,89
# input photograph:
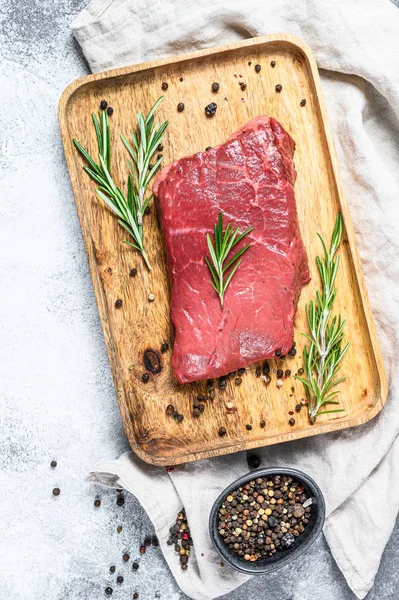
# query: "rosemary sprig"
323,357
224,242
129,207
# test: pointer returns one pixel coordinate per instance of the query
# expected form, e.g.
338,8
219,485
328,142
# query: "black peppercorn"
273,64
278,352
154,541
196,412
108,591
164,86
208,148
241,371
288,540
164,347
292,352
279,87
110,110
272,522
180,418
257,68
175,414
56,491
53,464
112,569
222,431
210,109
133,272
145,377
262,423
160,147
253,461
298,407
302,102
170,409
120,501
291,421
243,86
201,407
135,595
181,79
301,371
135,566
215,86
119,579
238,380
147,541
118,303
266,368
97,502
258,372
287,373
248,427
103,104
280,373
180,107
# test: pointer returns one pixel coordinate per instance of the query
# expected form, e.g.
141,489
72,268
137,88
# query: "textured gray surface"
57,398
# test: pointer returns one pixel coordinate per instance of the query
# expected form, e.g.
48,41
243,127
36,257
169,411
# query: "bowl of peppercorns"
266,519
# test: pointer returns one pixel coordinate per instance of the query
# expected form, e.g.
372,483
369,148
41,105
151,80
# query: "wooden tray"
141,325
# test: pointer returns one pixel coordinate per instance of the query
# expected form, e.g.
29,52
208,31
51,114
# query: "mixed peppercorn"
264,516
181,539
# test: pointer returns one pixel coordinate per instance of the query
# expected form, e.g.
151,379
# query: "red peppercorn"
290,412
170,469
185,536
143,549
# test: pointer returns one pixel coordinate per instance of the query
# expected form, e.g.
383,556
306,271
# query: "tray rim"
300,46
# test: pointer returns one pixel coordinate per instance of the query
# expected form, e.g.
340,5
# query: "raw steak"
249,178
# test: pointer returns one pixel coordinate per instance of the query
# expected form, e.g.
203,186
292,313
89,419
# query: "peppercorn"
133,272
143,549
222,431
257,68
243,86
53,464
300,371
208,148
266,368
180,418
273,64
215,86
157,594
147,542
165,347
164,86
222,382
56,491
120,501
291,421
135,595
238,380
119,579
110,110
278,352
154,541
119,529
108,591
97,503
291,412
210,109
145,377
248,427
180,107
201,407
302,102
287,373
170,409
103,104
181,79
112,569
279,87
160,147
258,372
262,423
280,373
175,414
253,461
118,303
135,566
241,371
287,541
298,407
292,352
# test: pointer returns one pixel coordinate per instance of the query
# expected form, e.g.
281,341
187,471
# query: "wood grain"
139,324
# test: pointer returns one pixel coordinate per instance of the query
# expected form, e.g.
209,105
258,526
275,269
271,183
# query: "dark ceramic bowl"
281,558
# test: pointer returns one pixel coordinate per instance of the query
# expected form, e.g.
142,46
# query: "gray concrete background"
57,397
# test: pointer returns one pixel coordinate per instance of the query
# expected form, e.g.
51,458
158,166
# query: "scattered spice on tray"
241,371
151,297
118,303
248,427
264,516
243,86
298,407
292,421
56,491
109,591
181,79
164,86
170,409
181,539
135,595
53,464
97,502
279,87
302,102
238,380
120,501
273,64
210,109
208,148
135,565
279,383
165,347
133,272
262,423
257,68
112,569
222,431
292,352
180,107
215,86
280,373
258,372
119,579
103,104
145,377
126,557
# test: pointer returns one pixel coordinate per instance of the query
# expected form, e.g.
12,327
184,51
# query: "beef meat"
250,179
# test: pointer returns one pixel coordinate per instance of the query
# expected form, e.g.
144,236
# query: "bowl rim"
238,563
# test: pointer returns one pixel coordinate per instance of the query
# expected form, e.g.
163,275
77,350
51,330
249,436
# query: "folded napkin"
355,44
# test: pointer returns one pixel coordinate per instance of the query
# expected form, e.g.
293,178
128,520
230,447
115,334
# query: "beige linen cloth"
356,44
